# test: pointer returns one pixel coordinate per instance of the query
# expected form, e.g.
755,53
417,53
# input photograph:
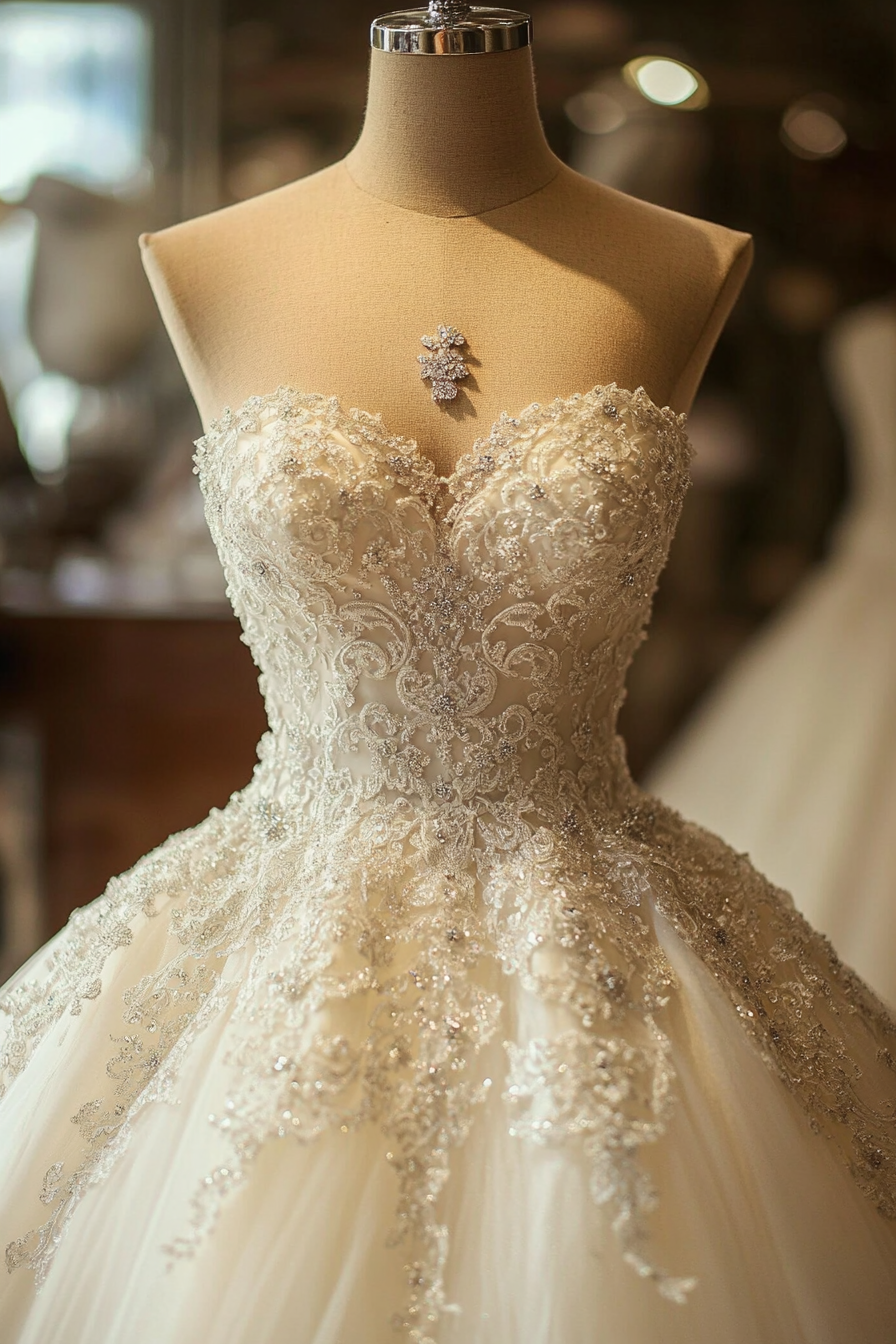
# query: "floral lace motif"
441,794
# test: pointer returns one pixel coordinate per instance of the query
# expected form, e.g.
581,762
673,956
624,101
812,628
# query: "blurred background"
129,705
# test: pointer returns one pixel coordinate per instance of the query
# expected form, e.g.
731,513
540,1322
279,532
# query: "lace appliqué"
441,795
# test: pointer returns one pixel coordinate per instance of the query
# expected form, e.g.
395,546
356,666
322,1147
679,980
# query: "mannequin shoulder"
225,273
678,276
710,248
185,258
692,252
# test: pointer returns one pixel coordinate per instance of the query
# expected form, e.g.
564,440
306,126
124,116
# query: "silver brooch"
443,367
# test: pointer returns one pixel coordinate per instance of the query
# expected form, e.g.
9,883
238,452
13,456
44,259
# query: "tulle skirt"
760,1210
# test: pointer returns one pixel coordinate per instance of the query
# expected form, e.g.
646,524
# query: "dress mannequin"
450,209
441,967
792,756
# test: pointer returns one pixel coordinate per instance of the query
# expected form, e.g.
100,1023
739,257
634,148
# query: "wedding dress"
442,1025
793,756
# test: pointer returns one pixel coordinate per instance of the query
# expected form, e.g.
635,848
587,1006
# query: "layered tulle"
755,1207
793,757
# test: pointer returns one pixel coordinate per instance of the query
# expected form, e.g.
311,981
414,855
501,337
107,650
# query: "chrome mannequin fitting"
450,28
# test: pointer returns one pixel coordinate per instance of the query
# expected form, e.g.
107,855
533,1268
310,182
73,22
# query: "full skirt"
792,758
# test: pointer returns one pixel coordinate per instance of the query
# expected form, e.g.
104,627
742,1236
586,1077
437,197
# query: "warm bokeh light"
667,82
810,128
595,112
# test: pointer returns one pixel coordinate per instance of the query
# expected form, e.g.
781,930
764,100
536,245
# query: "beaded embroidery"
441,790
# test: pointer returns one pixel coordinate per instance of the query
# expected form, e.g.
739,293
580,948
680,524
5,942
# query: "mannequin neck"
452,135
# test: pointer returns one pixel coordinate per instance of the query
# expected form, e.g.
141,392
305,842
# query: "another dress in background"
792,757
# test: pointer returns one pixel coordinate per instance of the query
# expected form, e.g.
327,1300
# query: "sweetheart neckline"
638,399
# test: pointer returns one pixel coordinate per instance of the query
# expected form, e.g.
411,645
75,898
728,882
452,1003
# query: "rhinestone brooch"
443,367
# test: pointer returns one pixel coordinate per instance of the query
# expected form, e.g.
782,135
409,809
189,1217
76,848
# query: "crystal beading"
441,826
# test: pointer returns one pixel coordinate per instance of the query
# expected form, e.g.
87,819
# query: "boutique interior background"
129,705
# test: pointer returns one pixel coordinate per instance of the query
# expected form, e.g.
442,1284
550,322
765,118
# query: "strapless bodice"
460,643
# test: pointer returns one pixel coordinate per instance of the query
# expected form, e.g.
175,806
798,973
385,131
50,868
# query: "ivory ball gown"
442,1026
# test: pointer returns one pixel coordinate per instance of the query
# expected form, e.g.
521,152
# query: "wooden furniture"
143,725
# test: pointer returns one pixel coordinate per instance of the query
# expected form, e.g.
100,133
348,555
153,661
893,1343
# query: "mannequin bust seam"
465,214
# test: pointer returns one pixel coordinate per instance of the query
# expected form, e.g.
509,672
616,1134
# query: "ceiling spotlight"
595,112
811,128
667,82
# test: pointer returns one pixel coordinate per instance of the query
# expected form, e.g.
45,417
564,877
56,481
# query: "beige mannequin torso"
465,219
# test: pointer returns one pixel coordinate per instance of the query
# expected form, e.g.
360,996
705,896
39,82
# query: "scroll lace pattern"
441,791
